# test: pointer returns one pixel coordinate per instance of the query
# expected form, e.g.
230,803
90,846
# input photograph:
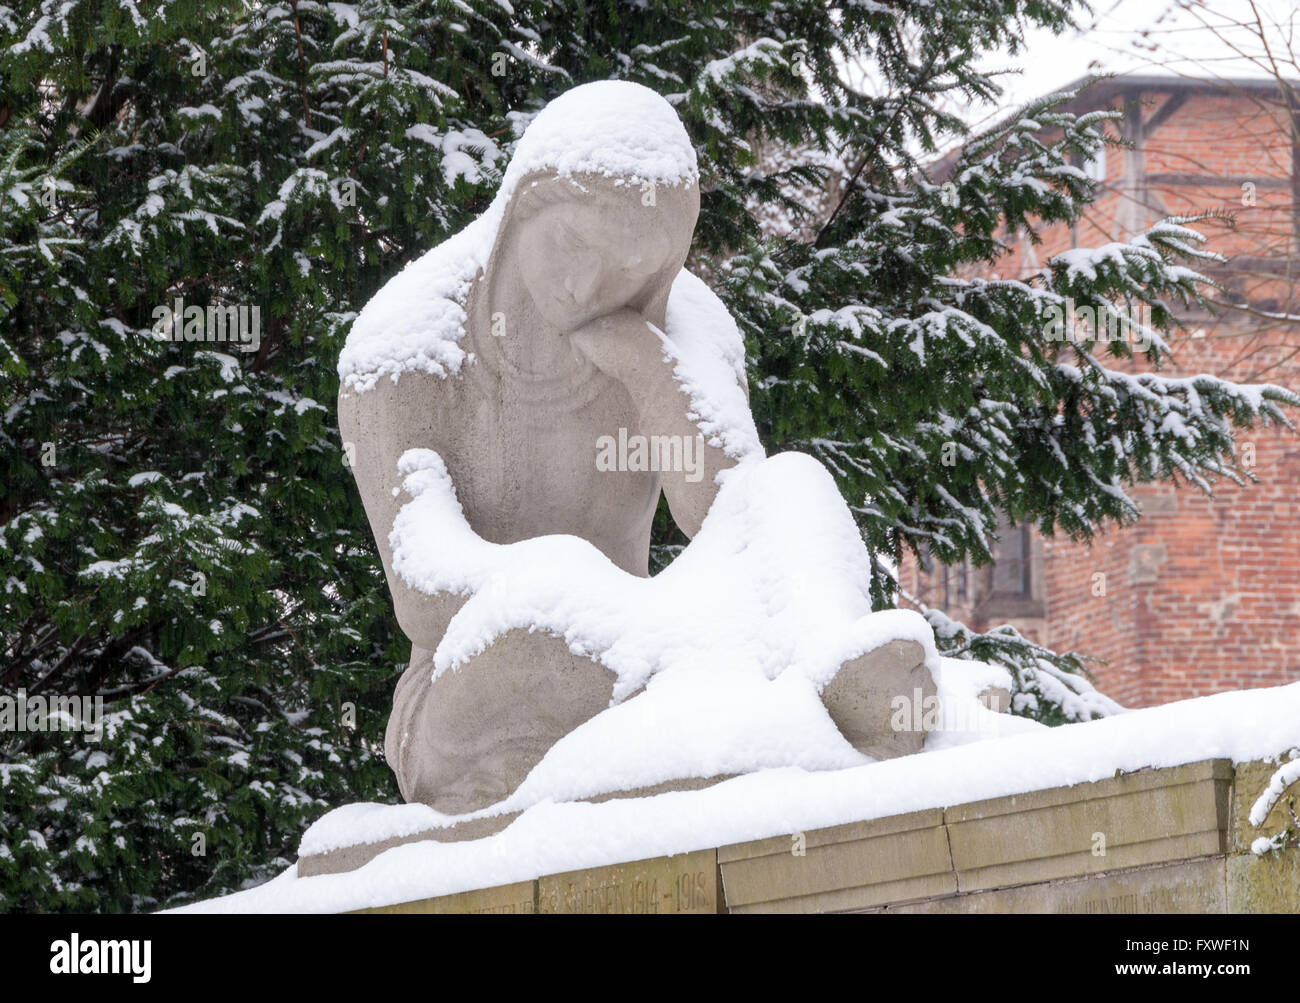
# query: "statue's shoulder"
416,322
411,402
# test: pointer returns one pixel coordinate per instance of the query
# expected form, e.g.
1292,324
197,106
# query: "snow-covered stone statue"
514,402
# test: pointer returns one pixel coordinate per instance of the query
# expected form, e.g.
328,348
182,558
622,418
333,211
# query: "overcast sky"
1152,37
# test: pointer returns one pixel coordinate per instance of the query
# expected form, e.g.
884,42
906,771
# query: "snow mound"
720,659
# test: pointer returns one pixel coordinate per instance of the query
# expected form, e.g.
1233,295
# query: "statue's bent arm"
378,426
625,346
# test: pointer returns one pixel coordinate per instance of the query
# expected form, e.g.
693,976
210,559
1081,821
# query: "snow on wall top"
552,838
417,320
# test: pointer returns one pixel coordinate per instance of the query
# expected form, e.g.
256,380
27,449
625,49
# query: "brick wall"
1202,595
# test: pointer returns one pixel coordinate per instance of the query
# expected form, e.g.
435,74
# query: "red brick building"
1202,594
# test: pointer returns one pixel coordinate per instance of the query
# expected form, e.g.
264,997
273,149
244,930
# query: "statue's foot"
996,699
885,701
467,741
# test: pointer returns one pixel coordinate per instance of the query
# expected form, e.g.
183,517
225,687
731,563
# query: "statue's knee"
469,738
885,701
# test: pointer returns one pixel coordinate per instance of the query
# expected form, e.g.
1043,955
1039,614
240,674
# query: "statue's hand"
622,344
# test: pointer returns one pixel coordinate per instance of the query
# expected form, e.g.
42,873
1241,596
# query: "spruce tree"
181,534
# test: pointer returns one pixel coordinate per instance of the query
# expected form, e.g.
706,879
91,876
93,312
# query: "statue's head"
595,212
589,245
600,202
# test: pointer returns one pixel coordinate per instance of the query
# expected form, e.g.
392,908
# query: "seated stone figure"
542,355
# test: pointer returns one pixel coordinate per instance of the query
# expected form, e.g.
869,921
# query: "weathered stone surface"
1270,883
685,883
860,699
1252,780
1148,817
516,899
845,867
1192,886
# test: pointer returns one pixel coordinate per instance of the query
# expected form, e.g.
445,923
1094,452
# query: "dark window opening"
1011,569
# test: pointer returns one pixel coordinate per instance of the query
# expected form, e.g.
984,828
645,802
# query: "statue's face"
594,247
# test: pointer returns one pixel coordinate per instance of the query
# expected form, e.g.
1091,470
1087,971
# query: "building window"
1007,591
1012,564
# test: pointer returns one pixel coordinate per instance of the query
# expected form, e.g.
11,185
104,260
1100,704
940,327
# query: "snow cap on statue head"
613,128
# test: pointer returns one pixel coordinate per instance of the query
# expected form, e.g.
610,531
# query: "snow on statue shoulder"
516,401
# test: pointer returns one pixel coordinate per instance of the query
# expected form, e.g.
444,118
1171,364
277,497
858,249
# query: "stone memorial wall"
1173,840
